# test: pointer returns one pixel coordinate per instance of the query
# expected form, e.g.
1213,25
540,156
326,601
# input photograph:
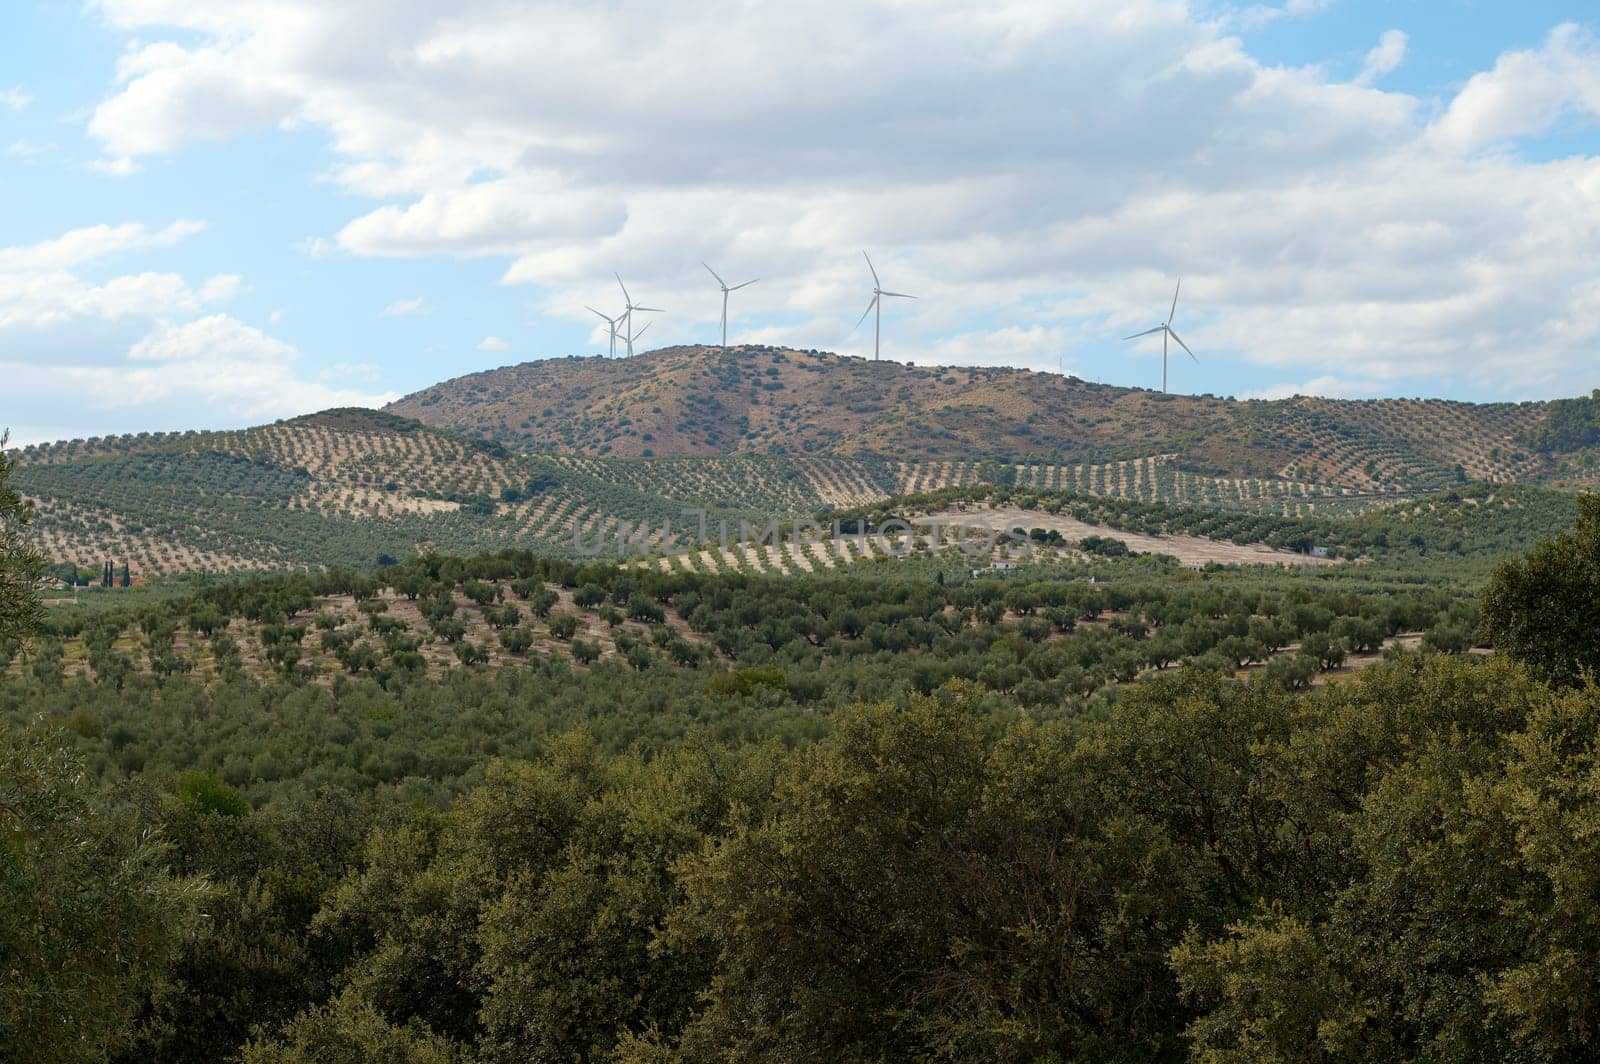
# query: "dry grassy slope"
695,400
698,401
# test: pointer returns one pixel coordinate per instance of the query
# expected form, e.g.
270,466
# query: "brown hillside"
700,401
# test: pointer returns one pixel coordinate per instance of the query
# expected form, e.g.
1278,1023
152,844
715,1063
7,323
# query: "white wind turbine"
725,290
877,304
1165,329
611,324
638,334
627,315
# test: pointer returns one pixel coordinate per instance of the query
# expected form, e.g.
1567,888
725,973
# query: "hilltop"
764,400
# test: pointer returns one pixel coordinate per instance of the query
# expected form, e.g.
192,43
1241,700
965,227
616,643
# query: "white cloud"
493,343
1033,170
483,219
317,247
214,371
1034,347
403,307
171,95
221,288
1526,92
1384,59
121,166
78,246
1324,387
138,350
1256,16
14,99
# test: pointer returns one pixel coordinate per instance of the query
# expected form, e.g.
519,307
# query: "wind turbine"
725,290
627,329
638,334
1165,329
611,323
877,303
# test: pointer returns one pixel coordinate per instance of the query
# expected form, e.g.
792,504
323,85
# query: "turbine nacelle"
878,293
627,315
1166,331
725,290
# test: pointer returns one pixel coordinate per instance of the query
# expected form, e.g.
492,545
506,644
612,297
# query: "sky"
220,214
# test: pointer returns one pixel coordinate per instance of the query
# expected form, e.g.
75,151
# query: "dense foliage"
20,564
1545,608
1569,425
880,818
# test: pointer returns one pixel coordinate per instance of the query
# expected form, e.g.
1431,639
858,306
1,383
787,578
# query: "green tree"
21,567
89,916
1544,608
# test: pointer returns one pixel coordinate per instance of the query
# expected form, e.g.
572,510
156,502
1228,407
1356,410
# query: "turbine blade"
625,296
736,287
864,314
1147,332
1174,309
875,282
715,274
653,310
897,295
1183,345
640,333
593,311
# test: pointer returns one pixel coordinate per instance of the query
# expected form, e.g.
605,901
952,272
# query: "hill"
612,447
764,400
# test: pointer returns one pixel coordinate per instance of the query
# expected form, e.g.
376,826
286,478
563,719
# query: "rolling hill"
534,455
763,400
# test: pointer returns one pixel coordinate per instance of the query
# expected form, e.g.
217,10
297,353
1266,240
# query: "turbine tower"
638,334
877,304
611,323
725,290
627,315
1165,329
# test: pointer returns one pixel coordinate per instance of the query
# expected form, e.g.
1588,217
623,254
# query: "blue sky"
223,214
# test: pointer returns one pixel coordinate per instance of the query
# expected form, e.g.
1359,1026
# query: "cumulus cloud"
493,343
1035,171
1526,92
14,99
137,351
215,371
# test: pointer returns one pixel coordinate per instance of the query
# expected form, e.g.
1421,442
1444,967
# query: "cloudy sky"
222,213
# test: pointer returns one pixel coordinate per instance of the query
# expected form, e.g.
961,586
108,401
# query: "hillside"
702,401
534,455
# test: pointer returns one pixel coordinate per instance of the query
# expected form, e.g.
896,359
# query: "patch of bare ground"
1189,550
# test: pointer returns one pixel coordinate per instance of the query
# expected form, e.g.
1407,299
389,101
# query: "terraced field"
337,489
1159,479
